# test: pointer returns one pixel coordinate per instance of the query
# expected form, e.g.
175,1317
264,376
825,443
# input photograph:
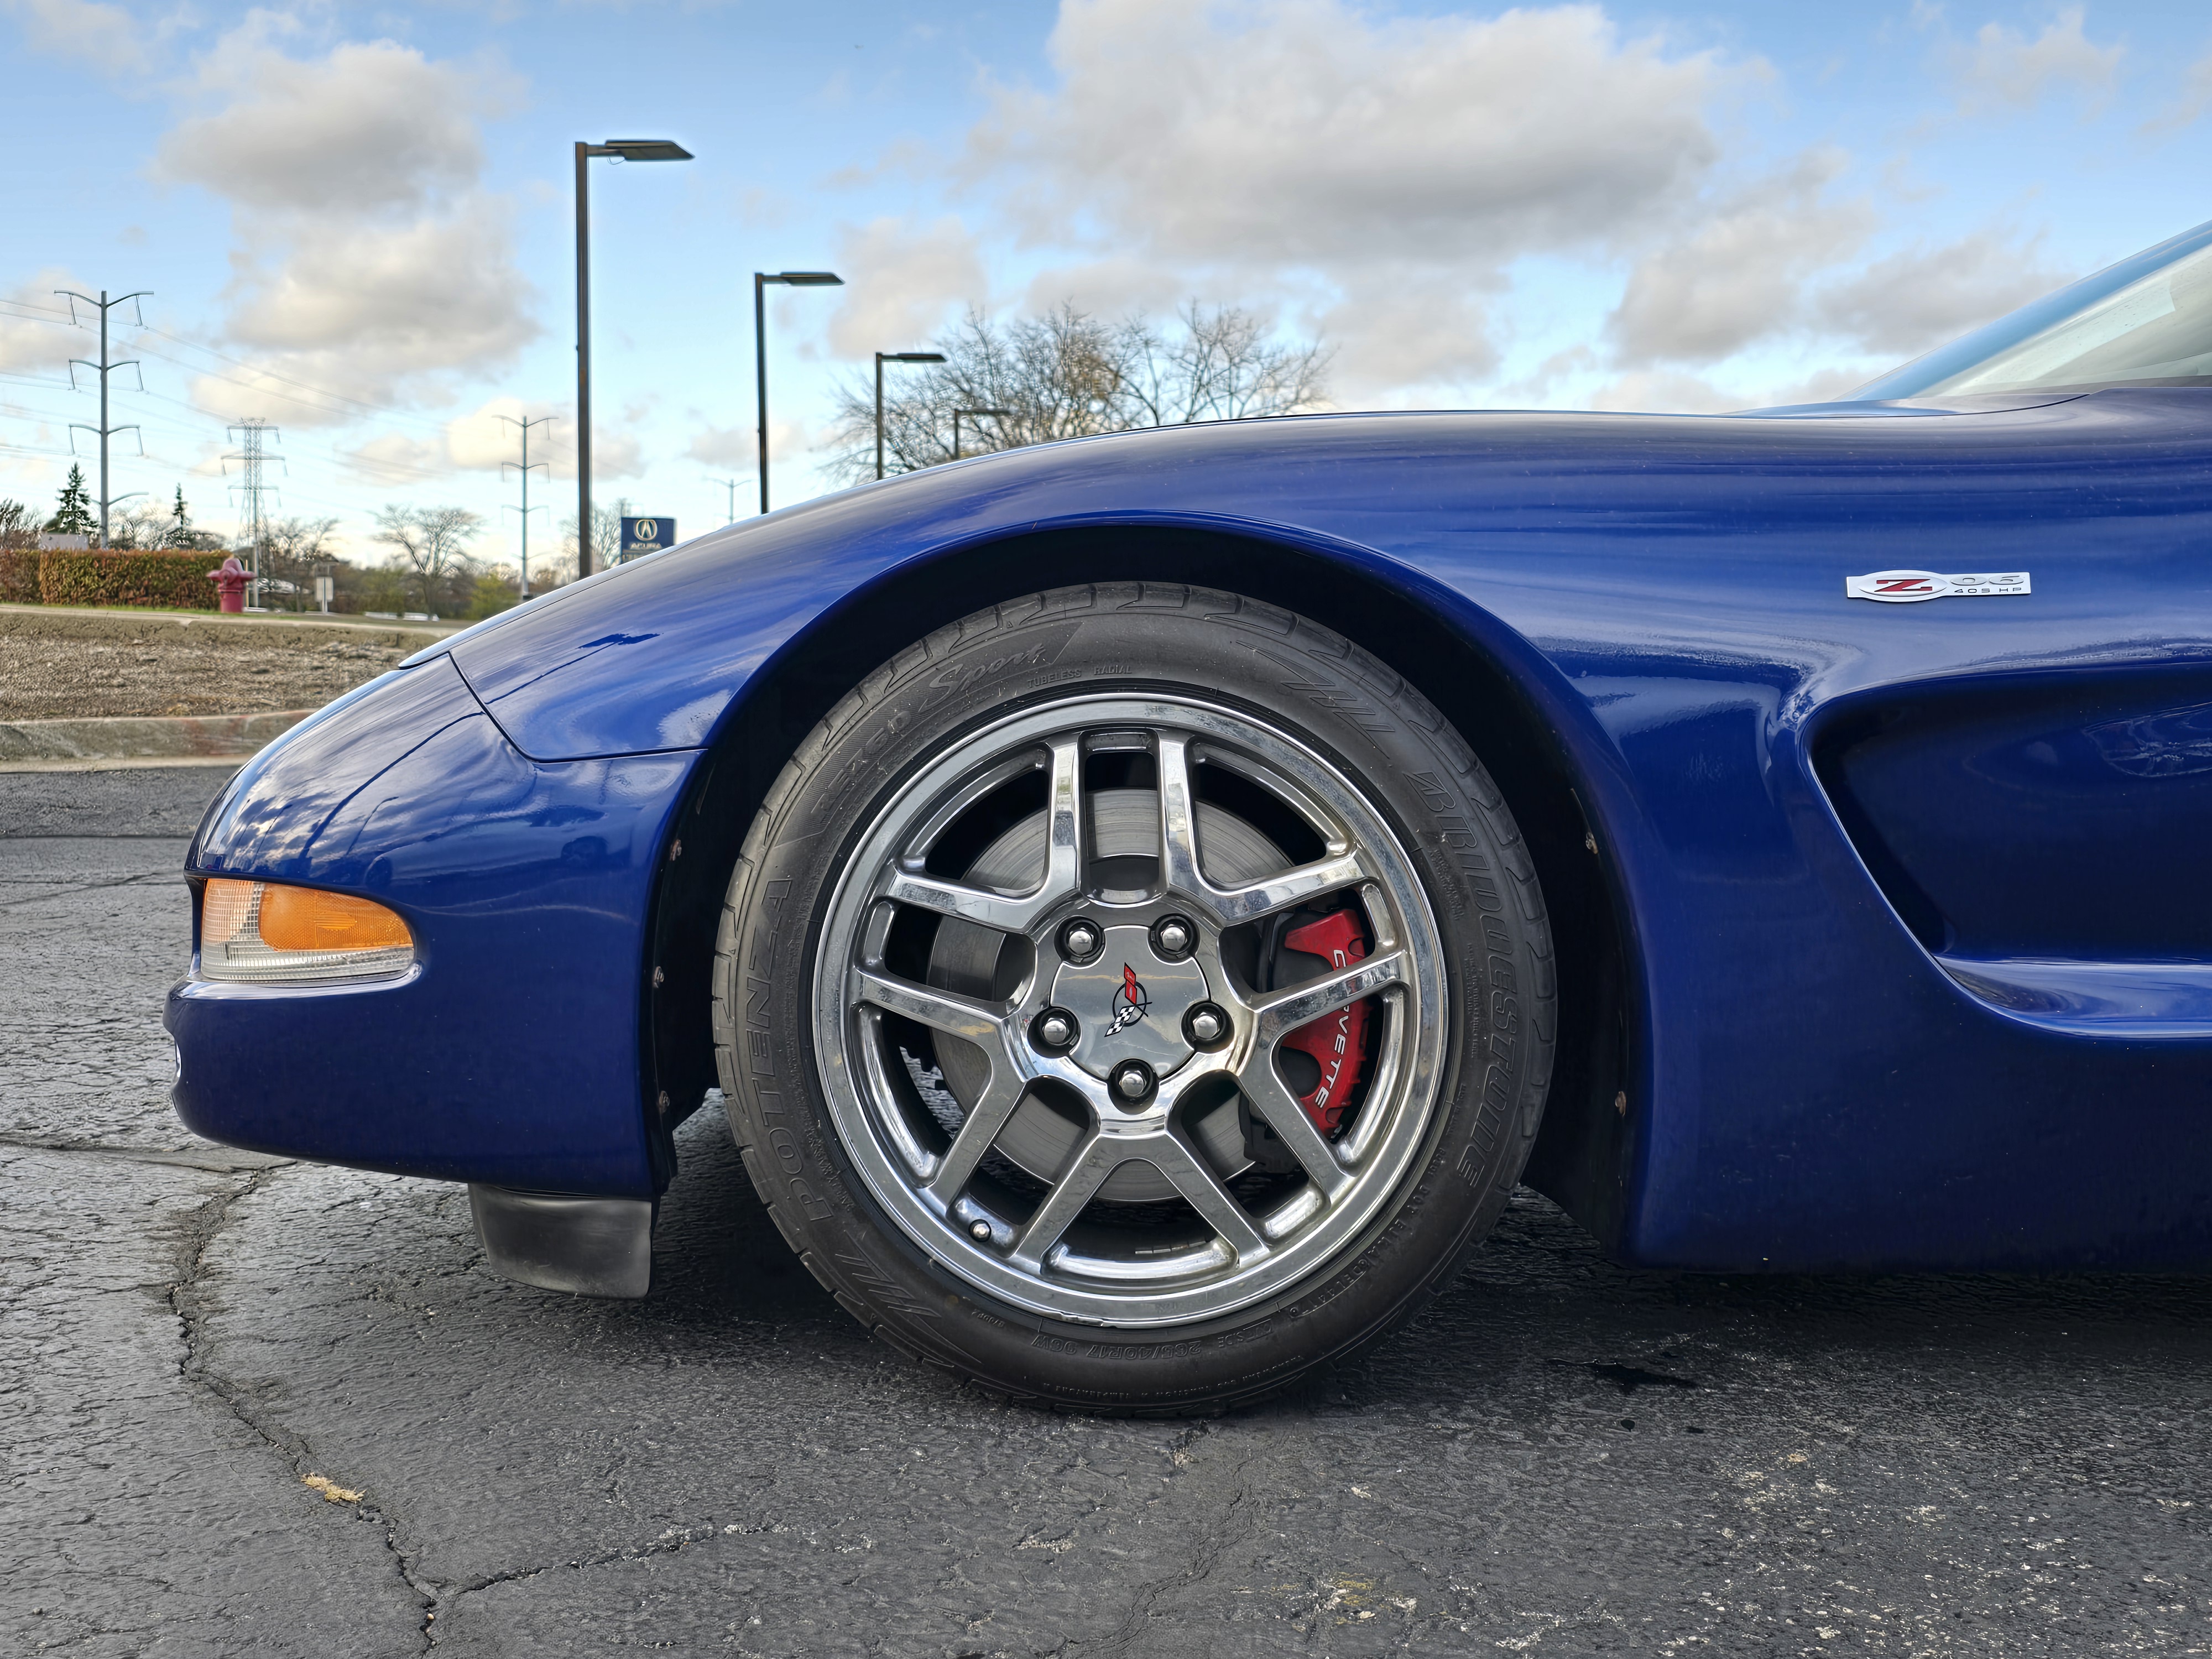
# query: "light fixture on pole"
761,280
1001,413
882,357
622,150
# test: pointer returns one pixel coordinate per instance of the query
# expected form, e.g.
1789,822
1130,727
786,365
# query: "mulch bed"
60,666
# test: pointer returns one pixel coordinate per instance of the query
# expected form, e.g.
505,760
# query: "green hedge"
19,575
176,581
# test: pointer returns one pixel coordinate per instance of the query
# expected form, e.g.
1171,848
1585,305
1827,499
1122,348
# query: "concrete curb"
188,737
430,632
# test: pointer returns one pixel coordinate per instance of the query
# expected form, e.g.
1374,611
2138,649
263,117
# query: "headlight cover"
268,933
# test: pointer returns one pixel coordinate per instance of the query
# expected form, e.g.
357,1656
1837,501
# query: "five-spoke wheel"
1100,982
1134,998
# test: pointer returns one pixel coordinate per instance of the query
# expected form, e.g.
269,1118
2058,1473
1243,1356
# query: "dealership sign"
643,536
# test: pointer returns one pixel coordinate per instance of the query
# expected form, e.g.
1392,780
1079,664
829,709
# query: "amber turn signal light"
271,933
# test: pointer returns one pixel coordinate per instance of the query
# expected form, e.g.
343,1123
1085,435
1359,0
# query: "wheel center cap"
1131,1003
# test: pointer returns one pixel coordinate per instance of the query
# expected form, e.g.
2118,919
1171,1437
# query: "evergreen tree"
73,515
180,527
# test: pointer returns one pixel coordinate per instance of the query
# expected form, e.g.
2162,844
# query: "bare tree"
1225,366
607,547
149,525
430,544
1067,374
140,524
19,525
294,550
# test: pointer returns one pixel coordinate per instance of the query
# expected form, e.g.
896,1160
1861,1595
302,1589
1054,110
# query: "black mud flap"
561,1242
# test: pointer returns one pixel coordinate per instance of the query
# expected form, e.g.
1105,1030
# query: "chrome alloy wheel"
1106,1026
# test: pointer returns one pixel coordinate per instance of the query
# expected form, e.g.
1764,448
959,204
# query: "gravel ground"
262,1408
65,665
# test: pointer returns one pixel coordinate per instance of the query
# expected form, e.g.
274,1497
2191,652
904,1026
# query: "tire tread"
1395,696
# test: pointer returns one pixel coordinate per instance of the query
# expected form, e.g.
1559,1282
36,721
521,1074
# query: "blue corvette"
1142,902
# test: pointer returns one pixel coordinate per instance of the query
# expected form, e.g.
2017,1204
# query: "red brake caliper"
1337,1041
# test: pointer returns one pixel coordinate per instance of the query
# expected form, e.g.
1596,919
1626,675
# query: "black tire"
1413,769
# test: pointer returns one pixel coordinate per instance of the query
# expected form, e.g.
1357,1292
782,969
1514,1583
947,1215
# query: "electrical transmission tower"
104,305
523,466
730,484
250,455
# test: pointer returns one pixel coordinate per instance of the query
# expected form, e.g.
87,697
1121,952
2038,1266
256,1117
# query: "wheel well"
1579,1151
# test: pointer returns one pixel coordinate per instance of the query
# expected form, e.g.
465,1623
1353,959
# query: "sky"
357,222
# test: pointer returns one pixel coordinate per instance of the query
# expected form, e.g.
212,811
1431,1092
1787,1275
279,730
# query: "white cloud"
368,261
902,280
371,310
1665,392
1379,172
733,447
1313,133
399,460
369,126
34,324
106,37
614,455
2005,69
1409,326
1740,275
486,440
1912,301
1677,392
1110,287
2195,97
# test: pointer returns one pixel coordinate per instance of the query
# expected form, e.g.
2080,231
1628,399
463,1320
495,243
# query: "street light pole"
957,413
623,150
882,357
761,280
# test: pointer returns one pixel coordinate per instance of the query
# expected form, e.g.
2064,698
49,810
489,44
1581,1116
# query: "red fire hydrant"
230,584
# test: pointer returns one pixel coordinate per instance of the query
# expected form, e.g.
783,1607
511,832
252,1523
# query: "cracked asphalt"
1562,1458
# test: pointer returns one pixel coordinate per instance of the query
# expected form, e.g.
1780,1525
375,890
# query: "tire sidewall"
1404,758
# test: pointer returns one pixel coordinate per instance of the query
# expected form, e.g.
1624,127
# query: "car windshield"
2145,321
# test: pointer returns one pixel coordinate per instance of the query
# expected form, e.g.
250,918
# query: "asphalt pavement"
260,1407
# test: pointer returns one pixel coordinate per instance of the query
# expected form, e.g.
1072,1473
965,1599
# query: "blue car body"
1886,929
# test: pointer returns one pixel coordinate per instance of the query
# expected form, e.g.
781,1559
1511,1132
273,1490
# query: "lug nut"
1173,937
1079,940
1056,1028
1132,1080
980,1232
1206,1024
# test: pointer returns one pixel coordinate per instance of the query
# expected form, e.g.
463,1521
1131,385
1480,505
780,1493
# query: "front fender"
510,1053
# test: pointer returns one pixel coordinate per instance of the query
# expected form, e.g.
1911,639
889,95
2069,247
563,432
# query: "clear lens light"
268,933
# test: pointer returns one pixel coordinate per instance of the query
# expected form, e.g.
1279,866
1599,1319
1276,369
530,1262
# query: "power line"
365,467
730,484
305,385
252,456
262,391
523,467
53,314
105,366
